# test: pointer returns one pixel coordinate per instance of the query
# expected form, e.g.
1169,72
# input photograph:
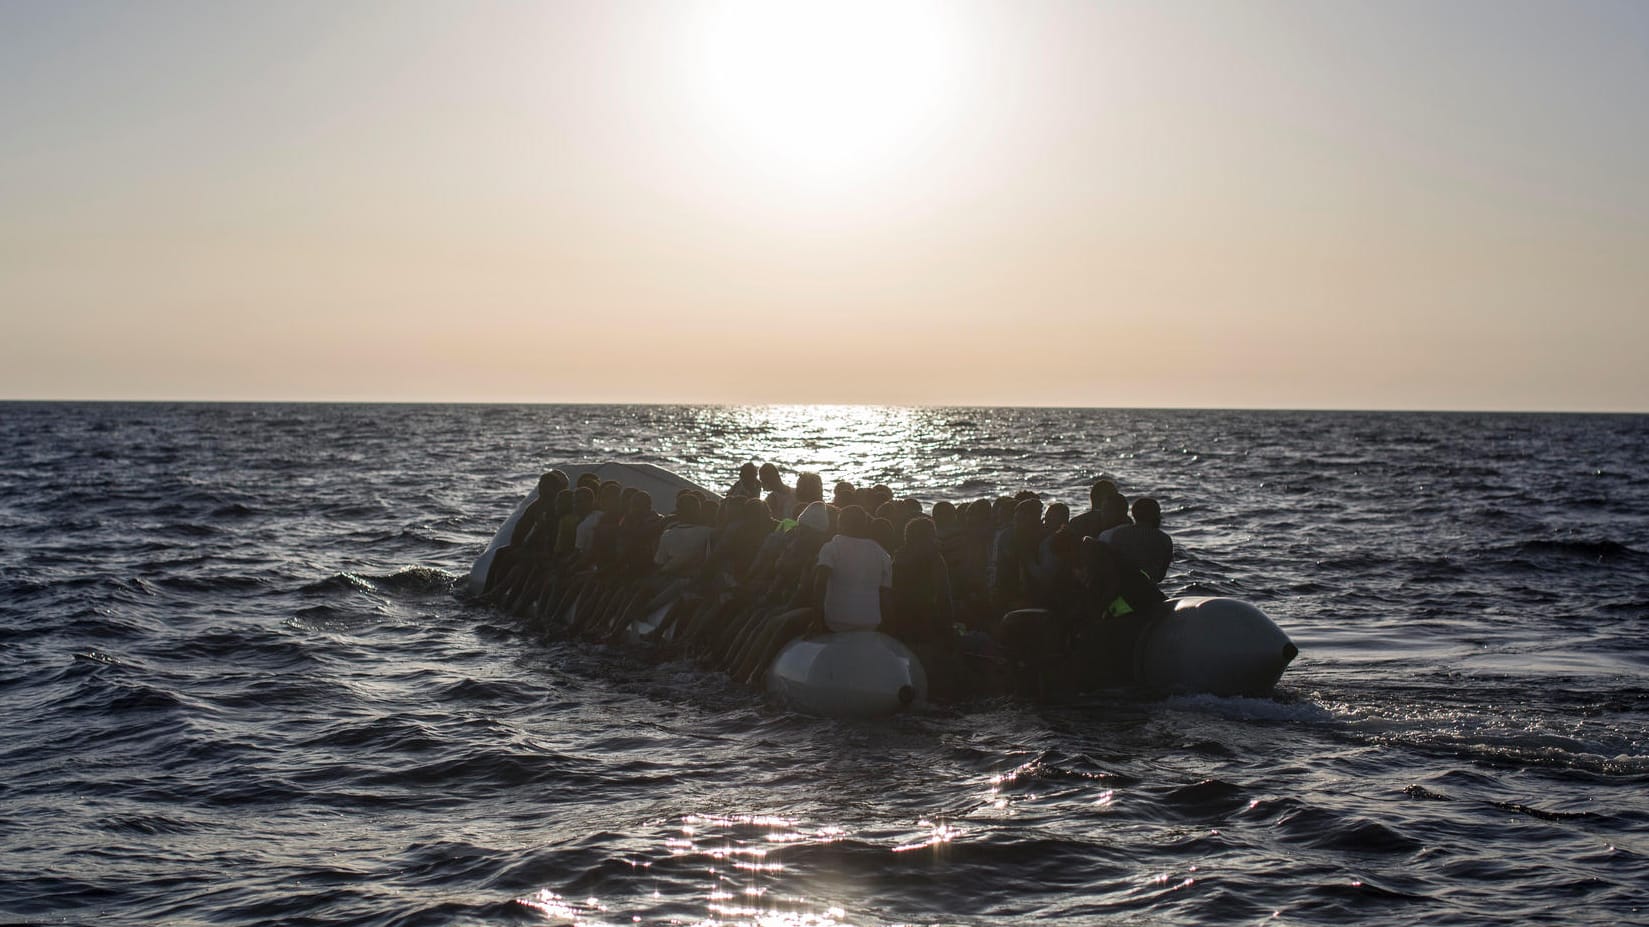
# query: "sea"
243,684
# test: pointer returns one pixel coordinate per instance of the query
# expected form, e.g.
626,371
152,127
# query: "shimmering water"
240,688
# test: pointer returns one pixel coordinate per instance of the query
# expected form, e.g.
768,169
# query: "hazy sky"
1239,204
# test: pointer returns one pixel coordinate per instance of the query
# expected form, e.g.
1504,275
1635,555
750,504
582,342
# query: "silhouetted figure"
921,610
1143,542
746,485
1091,524
781,499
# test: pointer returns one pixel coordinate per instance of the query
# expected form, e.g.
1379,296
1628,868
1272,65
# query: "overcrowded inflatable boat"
1213,645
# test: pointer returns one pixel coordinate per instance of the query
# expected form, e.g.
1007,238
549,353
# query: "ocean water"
240,686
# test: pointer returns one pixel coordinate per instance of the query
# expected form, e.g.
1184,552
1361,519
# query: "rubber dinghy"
1213,645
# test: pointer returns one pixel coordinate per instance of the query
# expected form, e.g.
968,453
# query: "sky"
1327,204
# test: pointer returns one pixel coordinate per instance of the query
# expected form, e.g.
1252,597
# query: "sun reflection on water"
931,454
864,445
743,880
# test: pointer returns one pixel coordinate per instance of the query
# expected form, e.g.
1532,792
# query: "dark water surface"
239,687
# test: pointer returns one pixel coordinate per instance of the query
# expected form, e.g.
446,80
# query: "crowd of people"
1004,582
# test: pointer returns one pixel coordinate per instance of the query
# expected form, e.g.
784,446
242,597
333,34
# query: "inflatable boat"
1213,645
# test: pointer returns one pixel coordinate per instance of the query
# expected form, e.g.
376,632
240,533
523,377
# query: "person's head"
899,511
1057,516
551,483
1024,494
583,501
879,495
640,503
747,473
610,498
768,476
1114,509
755,513
920,535
809,488
1101,490
709,511
591,480
1002,510
981,515
1027,518
854,522
624,497
687,508
843,494
883,533
1147,512
564,503
945,517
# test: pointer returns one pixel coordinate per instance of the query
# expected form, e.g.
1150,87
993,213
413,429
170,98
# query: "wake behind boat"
1210,645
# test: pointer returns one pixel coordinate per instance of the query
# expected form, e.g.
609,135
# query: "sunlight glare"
827,90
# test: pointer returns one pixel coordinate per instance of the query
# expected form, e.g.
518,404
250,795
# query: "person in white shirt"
854,575
684,545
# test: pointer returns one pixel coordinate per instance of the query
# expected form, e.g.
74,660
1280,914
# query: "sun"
827,90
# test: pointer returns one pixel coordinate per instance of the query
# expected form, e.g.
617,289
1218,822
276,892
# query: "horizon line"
1418,410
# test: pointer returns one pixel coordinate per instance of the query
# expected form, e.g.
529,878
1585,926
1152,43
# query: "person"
517,592
854,577
875,497
1143,542
1114,585
685,542
809,489
1048,562
843,495
782,612
970,571
1114,513
922,610
746,485
1014,583
638,534
733,549
539,516
608,501
1092,522
533,535
635,540
884,533
578,506
781,500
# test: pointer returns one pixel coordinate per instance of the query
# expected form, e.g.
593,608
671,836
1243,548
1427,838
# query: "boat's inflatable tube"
659,483
1214,645
848,674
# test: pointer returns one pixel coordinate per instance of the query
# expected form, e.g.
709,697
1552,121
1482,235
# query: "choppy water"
239,687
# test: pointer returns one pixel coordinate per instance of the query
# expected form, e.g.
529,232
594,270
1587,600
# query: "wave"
407,580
